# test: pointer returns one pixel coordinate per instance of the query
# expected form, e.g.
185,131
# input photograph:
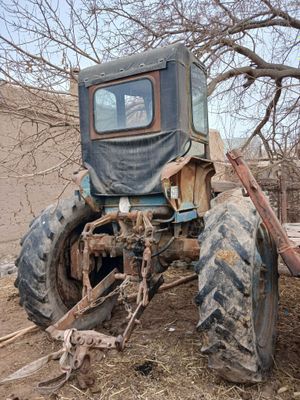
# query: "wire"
164,248
188,149
165,221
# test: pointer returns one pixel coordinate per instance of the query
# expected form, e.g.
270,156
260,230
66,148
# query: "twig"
178,282
14,335
170,285
118,392
81,392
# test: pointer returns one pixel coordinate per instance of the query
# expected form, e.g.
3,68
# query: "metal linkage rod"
289,253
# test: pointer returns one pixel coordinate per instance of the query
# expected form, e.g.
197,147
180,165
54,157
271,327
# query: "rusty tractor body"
144,202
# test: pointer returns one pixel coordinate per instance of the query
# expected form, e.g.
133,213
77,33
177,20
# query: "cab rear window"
124,106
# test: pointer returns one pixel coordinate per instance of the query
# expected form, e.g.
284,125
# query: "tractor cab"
138,114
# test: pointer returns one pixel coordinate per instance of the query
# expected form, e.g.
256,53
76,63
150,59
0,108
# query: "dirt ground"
163,359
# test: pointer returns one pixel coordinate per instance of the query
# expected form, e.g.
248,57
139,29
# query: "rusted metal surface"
183,249
84,255
78,343
81,179
88,338
67,320
104,244
191,177
289,253
75,256
142,296
134,228
130,266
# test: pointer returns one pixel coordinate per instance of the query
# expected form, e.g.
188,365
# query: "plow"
146,199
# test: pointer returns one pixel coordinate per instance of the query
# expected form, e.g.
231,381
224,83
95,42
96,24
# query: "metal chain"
123,299
118,290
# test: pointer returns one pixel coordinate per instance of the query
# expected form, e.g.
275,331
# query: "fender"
186,184
82,180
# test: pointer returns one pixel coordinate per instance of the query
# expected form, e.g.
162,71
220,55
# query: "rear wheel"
238,292
47,290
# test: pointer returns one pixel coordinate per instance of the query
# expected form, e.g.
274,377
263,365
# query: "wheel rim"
264,293
70,289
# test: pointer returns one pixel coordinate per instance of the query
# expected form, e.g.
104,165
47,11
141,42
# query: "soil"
162,360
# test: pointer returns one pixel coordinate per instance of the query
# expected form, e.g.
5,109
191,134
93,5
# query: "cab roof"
150,60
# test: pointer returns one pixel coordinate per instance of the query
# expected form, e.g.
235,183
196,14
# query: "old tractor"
145,200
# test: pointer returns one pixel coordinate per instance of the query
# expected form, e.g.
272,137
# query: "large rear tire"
238,292
46,288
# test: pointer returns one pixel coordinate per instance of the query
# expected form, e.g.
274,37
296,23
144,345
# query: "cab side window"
199,100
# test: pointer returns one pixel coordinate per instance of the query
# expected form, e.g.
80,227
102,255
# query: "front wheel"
238,292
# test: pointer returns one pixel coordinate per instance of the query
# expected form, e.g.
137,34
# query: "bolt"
89,341
81,341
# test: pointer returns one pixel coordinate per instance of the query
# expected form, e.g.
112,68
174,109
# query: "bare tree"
251,50
42,45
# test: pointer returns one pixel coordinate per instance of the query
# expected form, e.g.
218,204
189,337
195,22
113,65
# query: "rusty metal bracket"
145,274
289,253
67,320
88,338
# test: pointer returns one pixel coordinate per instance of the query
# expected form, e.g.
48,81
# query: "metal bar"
67,320
168,286
122,339
289,253
87,338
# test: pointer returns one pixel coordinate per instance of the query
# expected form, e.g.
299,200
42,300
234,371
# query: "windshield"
199,100
123,106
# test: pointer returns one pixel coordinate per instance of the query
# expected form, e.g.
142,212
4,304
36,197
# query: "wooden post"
283,197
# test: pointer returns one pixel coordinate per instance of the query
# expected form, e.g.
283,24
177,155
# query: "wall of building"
23,198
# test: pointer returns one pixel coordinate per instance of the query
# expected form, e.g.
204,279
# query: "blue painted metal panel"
185,216
141,203
85,184
155,200
111,204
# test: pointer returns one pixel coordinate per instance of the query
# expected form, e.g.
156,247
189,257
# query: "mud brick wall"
23,199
